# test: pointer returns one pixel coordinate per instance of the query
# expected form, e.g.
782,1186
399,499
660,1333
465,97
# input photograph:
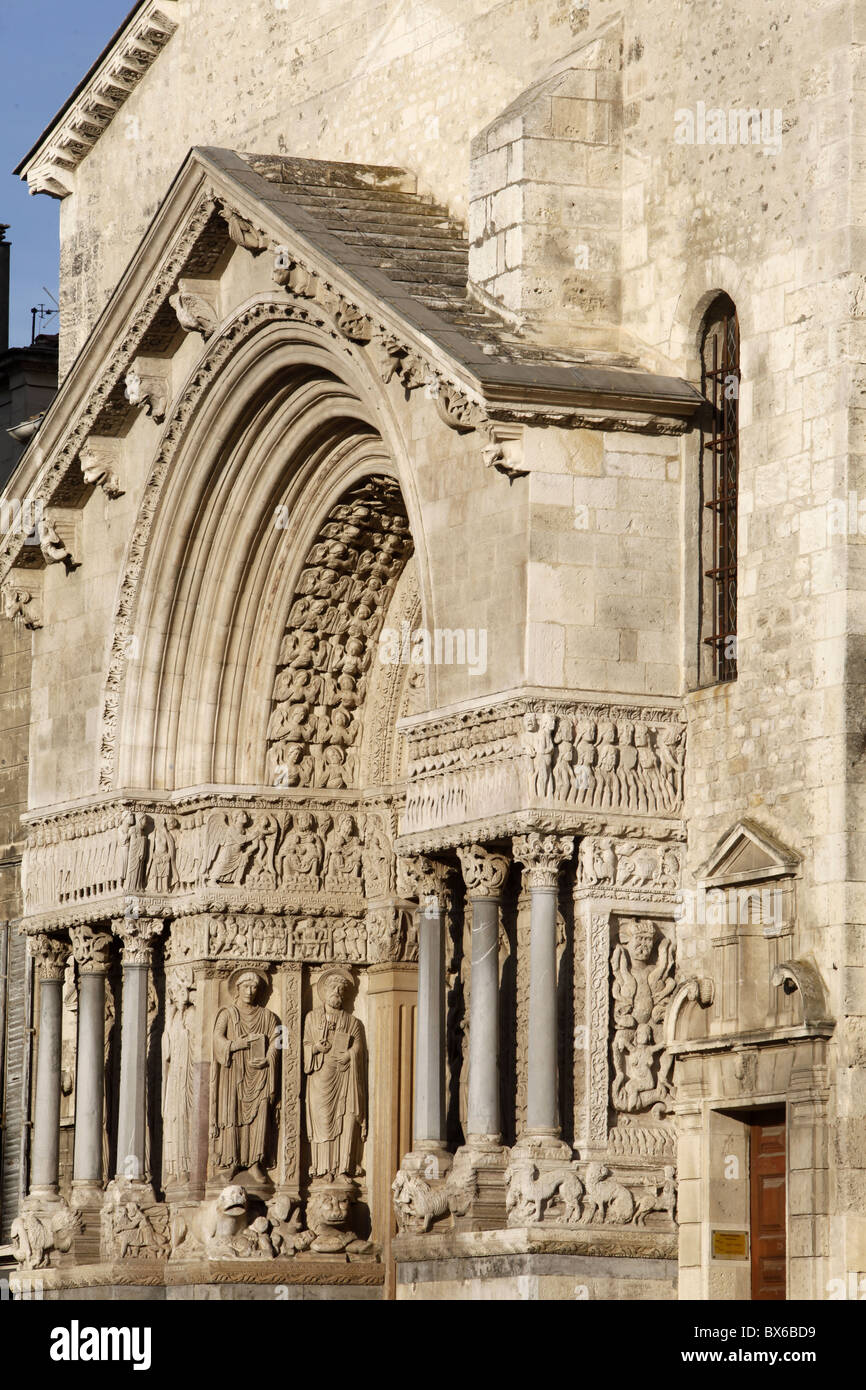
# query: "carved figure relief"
335,1064
244,1084
333,626
177,1074
642,969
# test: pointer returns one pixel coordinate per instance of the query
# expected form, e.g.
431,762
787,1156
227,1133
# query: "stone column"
484,875
542,855
424,880
391,998
50,954
92,951
477,1179
137,935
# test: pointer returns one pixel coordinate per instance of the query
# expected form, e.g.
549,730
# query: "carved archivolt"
330,640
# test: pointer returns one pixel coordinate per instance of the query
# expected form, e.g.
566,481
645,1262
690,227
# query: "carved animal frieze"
639,869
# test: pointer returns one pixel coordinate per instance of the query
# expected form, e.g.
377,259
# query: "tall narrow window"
720,361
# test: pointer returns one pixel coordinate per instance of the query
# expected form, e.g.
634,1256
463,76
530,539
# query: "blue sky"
46,47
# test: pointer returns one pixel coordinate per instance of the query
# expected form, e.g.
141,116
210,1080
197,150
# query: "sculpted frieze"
249,859
611,867
626,760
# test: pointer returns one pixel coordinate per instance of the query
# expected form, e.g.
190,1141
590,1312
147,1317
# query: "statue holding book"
245,1053
336,1067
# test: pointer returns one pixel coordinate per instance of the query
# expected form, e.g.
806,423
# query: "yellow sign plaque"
730,1245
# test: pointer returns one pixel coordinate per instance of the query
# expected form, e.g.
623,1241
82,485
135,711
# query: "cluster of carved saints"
605,763
247,1041
331,635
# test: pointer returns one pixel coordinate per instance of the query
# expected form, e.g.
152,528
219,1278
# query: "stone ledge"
196,1273
555,1241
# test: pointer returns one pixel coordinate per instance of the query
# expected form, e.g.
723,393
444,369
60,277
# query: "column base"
543,1146
476,1184
87,1198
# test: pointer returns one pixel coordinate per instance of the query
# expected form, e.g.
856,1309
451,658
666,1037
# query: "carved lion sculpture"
606,1199
36,1238
528,1192
213,1226
416,1204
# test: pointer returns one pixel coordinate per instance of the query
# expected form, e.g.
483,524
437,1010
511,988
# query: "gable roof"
393,265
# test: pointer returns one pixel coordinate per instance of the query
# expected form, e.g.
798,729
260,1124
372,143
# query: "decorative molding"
72,135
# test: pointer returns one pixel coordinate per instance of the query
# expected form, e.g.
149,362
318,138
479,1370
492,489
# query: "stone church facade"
435,745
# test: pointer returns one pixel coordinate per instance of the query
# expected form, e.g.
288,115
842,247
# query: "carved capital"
424,879
542,856
91,949
137,935
483,873
50,954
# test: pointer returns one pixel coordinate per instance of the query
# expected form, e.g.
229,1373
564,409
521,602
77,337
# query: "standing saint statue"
245,1053
177,1074
335,1062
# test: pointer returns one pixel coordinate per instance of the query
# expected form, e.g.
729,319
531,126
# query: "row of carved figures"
605,763
160,853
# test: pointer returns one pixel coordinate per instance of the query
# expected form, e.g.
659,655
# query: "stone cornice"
98,98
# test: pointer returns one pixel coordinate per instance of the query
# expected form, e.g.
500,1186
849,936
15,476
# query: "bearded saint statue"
245,1051
335,1063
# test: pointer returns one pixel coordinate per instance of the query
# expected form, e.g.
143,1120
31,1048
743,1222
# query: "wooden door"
768,1205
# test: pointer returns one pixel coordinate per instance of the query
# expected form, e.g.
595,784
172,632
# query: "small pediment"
748,854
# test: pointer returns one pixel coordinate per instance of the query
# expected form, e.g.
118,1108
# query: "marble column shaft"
45,1154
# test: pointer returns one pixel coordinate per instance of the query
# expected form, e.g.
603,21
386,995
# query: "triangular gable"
396,283
748,854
